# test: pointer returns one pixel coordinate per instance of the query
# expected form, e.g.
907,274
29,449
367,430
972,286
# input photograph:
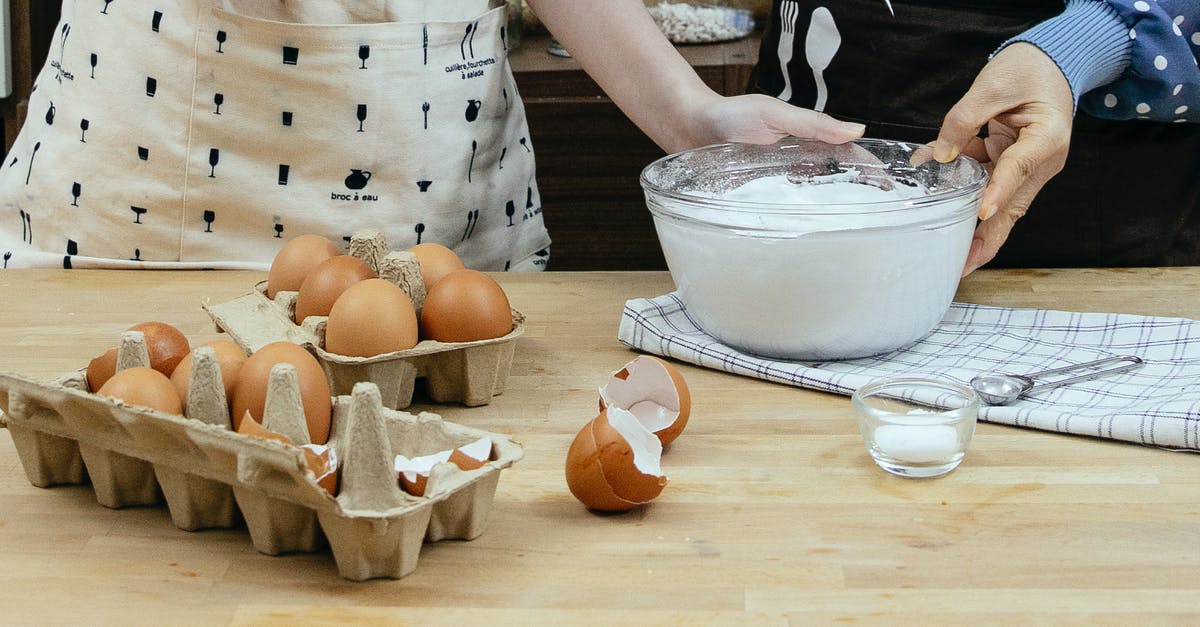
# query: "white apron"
205,133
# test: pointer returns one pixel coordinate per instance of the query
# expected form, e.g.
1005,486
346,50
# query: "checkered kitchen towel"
1157,403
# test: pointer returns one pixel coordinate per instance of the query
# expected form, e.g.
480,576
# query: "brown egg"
371,317
326,282
250,391
295,260
100,369
655,392
166,345
436,261
144,387
613,463
230,358
466,305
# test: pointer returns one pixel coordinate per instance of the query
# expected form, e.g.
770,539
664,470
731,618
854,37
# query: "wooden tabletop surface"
773,514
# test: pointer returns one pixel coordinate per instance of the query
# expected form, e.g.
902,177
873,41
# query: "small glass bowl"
916,427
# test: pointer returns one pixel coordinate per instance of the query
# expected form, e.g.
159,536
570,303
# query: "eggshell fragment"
295,260
465,306
371,317
250,391
613,463
655,392
414,472
144,387
326,282
321,459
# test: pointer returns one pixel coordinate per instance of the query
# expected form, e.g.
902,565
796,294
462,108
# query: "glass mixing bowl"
809,251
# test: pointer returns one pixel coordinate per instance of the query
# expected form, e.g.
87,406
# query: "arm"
1126,59
621,48
1026,96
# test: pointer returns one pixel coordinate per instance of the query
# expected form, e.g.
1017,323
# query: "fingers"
809,124
991,234
1024,165
962,123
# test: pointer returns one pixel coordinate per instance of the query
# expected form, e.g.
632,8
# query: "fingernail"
856,128
987,211
944,152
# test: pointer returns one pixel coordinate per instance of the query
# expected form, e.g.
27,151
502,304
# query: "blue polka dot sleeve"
1127,59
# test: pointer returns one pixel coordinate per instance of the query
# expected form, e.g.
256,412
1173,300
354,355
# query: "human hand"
761,119
1028,107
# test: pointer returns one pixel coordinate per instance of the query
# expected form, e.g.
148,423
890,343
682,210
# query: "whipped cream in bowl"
810,251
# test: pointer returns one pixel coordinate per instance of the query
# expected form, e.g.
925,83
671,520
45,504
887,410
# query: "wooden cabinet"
32,24
589,155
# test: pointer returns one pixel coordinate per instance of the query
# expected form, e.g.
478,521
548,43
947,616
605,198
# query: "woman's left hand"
1027,105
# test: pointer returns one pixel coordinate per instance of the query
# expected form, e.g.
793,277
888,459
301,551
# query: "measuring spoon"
1000,389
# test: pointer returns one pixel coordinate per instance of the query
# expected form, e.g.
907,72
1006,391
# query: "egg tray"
470,373
212,477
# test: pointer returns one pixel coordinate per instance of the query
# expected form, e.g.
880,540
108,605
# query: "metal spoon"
1000,389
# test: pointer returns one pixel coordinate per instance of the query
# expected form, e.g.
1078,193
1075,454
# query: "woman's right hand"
759,119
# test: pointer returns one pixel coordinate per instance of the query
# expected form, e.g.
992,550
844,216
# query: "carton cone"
196,502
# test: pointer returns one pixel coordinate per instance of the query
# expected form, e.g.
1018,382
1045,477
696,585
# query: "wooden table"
774,511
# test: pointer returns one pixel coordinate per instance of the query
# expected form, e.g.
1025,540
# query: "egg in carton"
211,476
470,373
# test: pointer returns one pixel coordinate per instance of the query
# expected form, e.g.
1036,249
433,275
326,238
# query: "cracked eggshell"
655,392
322,460
414,472
614,462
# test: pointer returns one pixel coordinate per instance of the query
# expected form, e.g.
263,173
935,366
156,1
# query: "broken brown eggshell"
614,462
653,391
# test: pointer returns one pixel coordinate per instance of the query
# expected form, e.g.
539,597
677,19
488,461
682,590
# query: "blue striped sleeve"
1127,59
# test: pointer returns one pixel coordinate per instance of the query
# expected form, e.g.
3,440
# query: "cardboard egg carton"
470,373
211,476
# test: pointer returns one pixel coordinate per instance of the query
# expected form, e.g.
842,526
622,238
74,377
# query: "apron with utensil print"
1130,192
205,133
